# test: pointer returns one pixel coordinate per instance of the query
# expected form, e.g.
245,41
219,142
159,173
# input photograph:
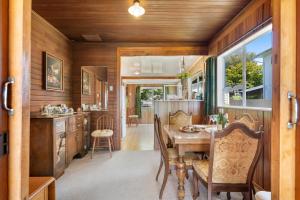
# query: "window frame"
221,71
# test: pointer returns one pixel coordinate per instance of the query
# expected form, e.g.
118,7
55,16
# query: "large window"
245,73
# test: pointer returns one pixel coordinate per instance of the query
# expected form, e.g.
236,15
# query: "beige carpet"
129,175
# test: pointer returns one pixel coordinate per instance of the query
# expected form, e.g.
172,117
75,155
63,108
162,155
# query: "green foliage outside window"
234,71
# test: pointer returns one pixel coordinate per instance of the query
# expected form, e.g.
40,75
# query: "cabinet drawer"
60,126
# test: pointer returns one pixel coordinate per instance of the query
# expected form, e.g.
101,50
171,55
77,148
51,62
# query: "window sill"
247,108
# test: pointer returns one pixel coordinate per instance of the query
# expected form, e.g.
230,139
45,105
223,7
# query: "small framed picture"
53,72
86,82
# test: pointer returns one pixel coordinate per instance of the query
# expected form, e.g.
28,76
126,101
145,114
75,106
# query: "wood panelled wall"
257,14
46,38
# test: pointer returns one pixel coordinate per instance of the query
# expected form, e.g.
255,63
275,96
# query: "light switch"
111,88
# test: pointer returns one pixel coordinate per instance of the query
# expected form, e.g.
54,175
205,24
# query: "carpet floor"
128,175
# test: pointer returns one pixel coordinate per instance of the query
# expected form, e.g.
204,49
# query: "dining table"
187,142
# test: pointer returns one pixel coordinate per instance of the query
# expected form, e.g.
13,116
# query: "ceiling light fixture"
136,9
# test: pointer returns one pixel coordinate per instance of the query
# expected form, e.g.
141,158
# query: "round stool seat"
102,133
133,116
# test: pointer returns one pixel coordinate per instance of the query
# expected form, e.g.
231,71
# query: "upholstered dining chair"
234,153
180,118
105,127
248,120
169,156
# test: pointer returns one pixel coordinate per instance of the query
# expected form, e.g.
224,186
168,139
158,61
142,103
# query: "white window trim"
221,70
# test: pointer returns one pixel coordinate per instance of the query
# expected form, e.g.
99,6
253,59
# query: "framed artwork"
53,72
86,86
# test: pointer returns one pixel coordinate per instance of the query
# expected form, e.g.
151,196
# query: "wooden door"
283,135
3,114
298,96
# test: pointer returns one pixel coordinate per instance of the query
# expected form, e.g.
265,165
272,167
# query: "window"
197,86
245,73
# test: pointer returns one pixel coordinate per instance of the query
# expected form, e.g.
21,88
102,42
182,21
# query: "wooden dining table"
186,142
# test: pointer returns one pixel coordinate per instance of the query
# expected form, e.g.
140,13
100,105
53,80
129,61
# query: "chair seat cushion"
263,195
102,133
133,116
201,168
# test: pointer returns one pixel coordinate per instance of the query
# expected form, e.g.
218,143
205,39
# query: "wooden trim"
15,122
284,80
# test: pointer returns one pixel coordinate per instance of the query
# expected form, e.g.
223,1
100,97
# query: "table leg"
181,176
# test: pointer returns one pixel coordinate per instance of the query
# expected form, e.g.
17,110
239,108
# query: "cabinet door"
71,146
79,137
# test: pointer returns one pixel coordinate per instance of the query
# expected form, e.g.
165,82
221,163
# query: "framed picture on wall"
86,82
53,72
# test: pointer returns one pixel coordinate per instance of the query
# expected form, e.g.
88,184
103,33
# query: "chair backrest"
234,154
180,119
105,122
248,120
162,145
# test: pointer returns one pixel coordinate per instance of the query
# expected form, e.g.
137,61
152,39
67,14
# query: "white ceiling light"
136,9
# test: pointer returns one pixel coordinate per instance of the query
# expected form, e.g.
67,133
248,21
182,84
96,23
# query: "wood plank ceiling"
164,20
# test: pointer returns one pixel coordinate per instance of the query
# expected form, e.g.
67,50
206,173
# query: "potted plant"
222,120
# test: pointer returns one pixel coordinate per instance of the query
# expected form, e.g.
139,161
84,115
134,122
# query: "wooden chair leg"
228,196
112,143
195,186
94,143
109,146
187,174
167,169
209,193
159,169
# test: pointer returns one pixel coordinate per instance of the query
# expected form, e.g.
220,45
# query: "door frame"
156,50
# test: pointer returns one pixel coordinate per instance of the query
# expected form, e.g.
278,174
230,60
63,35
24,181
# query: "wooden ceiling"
164,20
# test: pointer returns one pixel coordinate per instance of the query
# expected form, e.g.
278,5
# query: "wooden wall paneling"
254,16
47,38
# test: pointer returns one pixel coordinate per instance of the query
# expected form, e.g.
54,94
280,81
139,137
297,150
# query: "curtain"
210,98
138,102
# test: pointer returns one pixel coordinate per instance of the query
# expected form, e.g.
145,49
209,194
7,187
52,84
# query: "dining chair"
248,120
132,118
234,153
180,119
105,127
169,156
